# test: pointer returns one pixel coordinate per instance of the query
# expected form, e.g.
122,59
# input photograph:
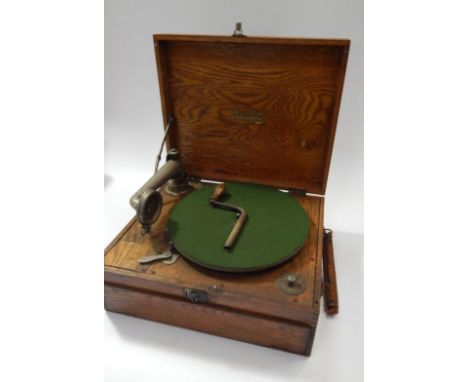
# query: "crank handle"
218,193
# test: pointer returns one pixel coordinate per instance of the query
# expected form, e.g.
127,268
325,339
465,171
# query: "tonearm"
147,201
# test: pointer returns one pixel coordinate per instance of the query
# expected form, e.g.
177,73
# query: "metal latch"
195,295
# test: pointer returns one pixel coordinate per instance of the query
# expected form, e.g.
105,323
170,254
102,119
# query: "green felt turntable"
275,228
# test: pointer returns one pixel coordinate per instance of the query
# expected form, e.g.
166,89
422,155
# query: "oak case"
247,109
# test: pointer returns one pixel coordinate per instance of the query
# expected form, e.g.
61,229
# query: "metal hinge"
297,192
195,295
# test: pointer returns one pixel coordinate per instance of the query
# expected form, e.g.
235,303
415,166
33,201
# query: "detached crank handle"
329,274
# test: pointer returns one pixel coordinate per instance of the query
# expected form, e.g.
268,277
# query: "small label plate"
247,117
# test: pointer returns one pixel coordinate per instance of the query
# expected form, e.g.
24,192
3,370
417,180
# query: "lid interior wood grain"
256,110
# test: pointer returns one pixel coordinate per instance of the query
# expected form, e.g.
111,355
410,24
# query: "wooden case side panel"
259,330
334,117
166,105
319,262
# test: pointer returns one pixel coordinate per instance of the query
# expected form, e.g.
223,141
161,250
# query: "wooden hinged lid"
253,109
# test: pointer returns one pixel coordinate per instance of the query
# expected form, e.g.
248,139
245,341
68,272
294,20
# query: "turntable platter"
275,230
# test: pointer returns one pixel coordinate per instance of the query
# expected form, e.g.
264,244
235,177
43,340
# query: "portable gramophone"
228,236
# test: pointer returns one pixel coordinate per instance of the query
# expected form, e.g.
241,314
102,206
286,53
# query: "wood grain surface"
238,325
256,292
254,40
247,295
294,85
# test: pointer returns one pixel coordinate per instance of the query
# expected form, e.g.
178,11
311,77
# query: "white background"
51,146
133,130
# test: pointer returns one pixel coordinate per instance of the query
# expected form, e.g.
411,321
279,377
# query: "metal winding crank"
219,191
